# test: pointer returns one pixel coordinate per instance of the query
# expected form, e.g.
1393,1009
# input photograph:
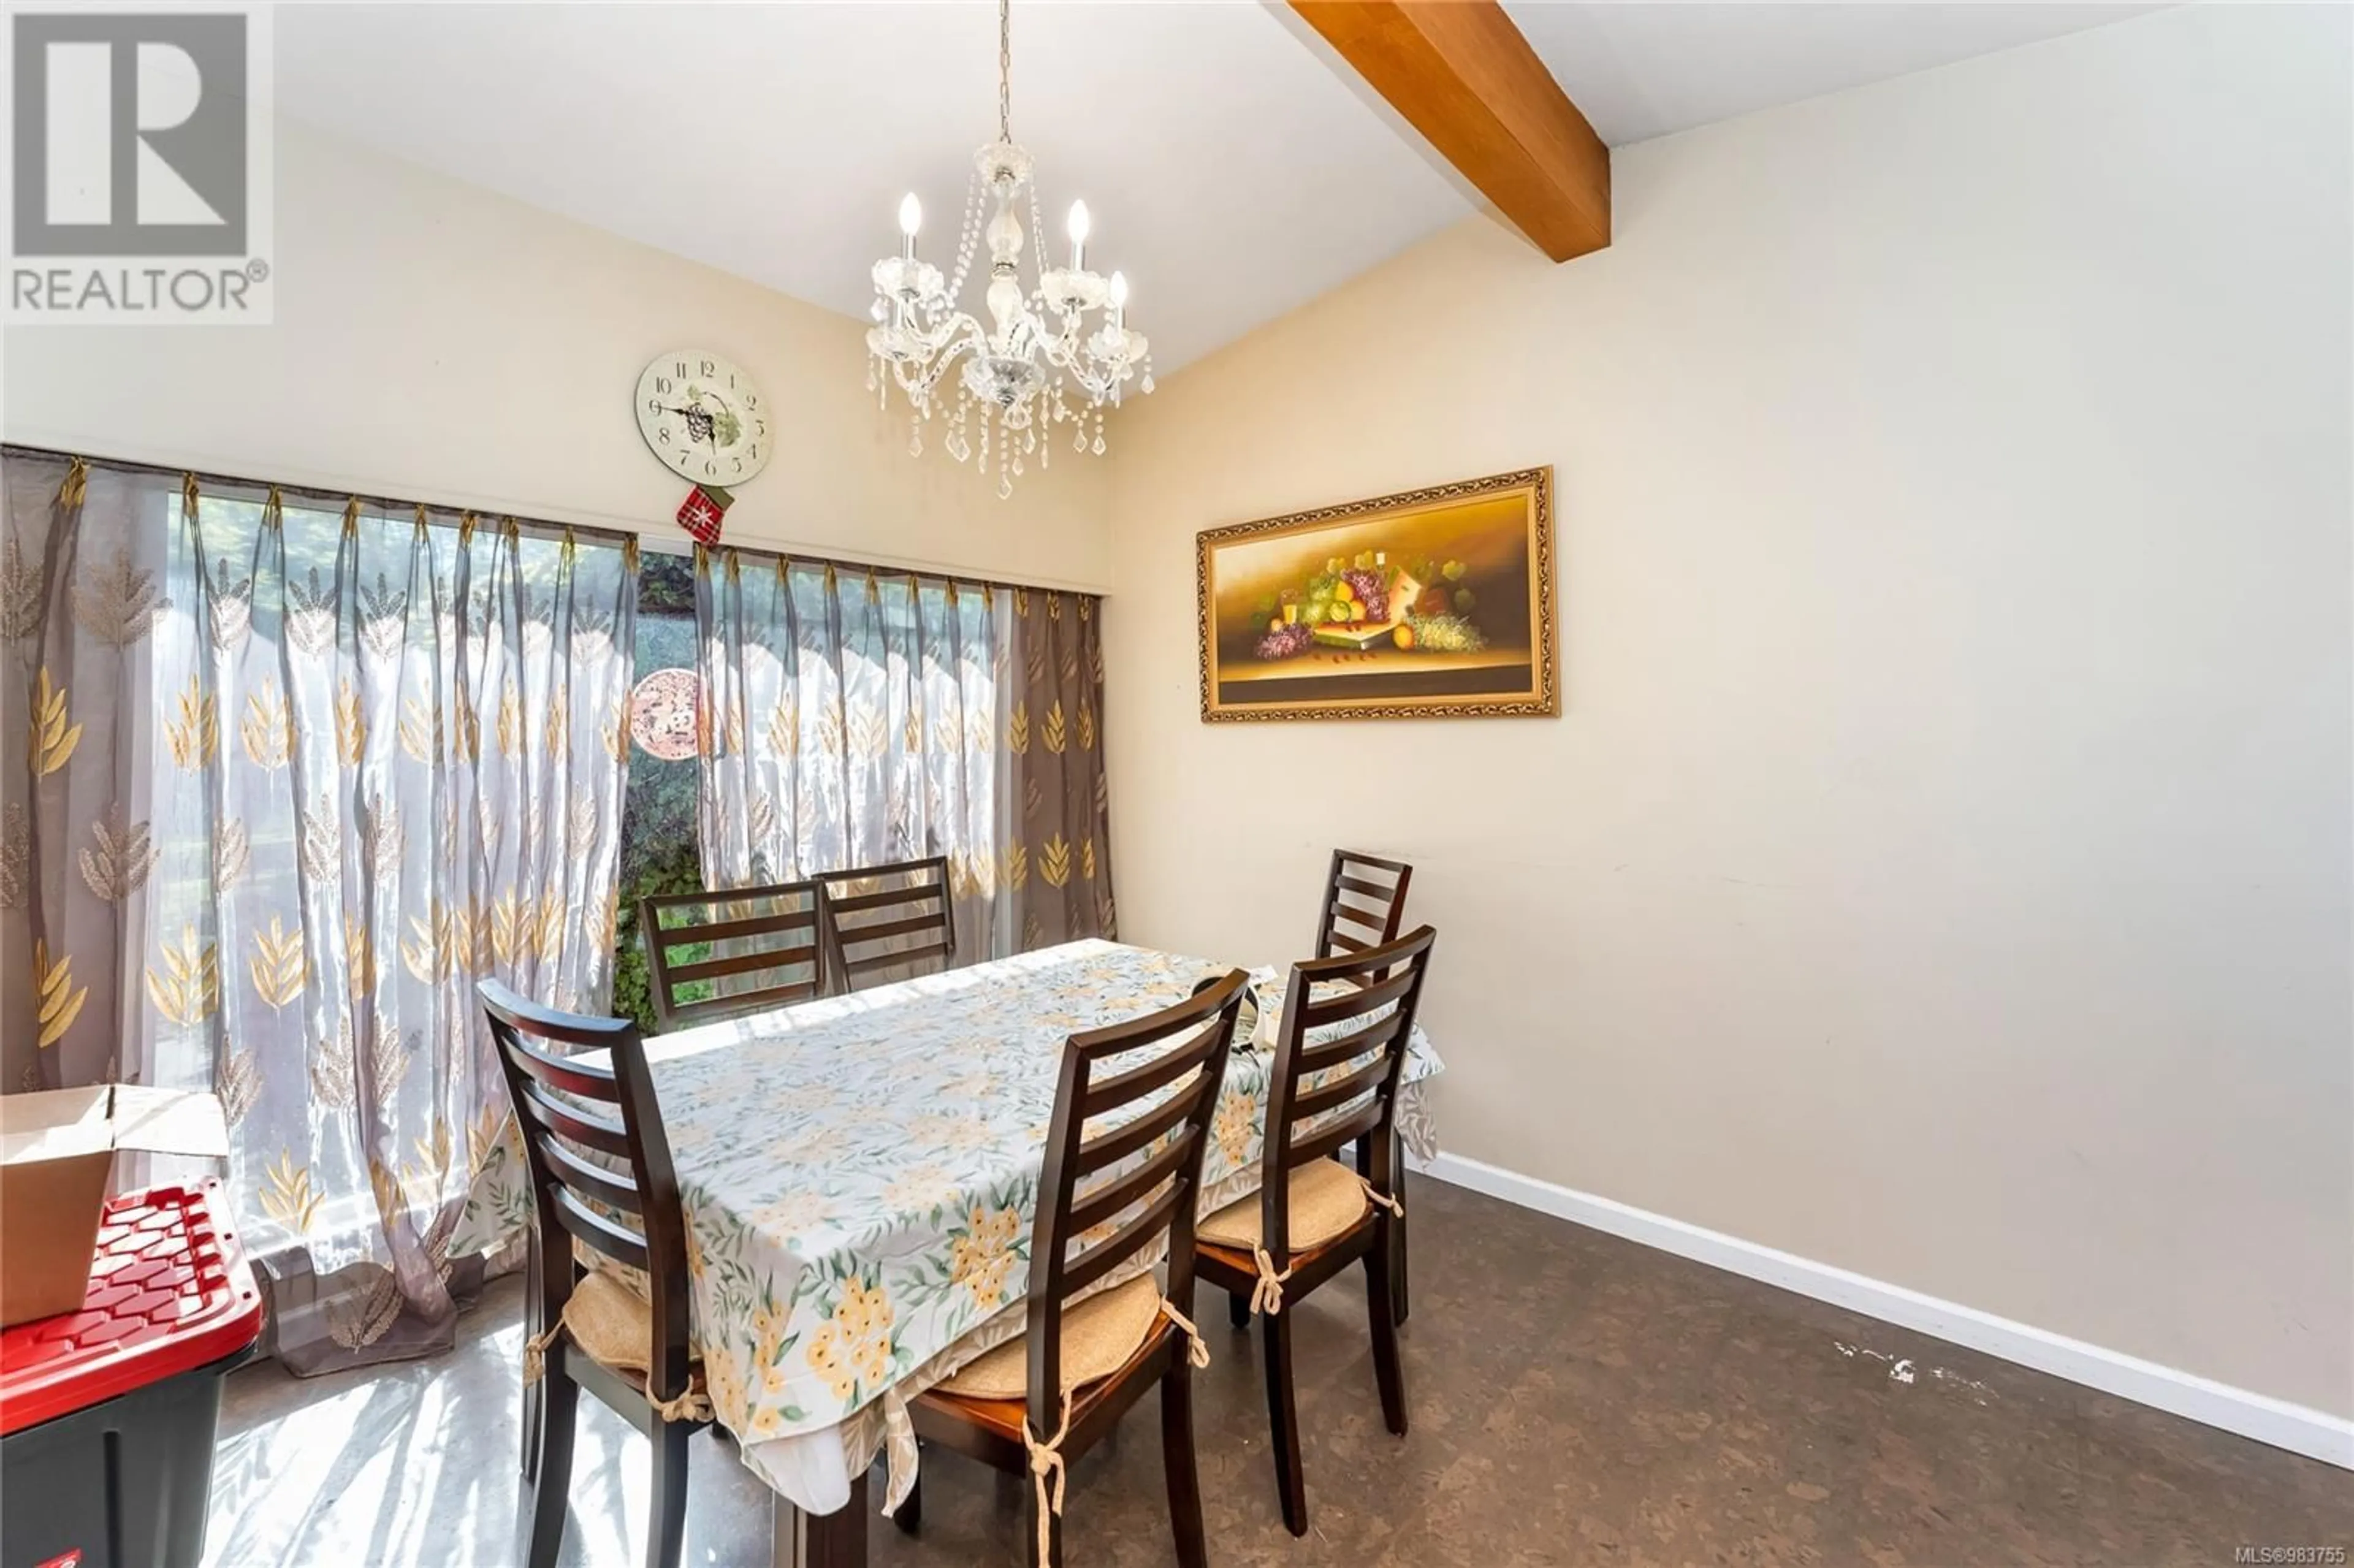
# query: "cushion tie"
1266,1296
1048,1472
690,1405
1381,1198
1196,1352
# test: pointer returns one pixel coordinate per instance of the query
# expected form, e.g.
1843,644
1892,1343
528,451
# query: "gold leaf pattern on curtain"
118,858
286,1194
1086,725
555,730
228,604
465,730
510,728
117,603
384,620
59,1000
269,728
335,1079
420,730
616,733
53,739
1055,861
1017,867
1054,731
359,955
20,593
239,1084
580,830
320,846
350,725
310,616
15,856
382,838
278,964
510,926
1017,729
868,734
192,730
785,727
233,852
1087,860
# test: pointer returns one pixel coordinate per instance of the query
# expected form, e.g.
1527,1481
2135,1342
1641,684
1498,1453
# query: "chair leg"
1397,1259
666,1527
909,1515
1291,1484
1238,1309
1177,1458
1380,1298
548,1495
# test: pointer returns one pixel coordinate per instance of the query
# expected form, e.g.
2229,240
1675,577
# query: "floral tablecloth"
859,1175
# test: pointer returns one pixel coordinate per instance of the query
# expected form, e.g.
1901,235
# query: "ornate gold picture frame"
1433,603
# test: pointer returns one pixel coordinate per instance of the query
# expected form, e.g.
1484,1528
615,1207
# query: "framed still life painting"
1434,603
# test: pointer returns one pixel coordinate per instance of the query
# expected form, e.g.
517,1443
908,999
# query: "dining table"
858,1175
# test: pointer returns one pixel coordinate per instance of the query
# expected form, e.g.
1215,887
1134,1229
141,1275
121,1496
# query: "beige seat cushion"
1098,1336
612,1322
1326,1200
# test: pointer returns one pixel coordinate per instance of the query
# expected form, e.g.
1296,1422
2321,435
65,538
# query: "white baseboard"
2313,1433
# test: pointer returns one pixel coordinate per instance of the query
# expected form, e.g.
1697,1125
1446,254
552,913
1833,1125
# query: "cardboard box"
57,1152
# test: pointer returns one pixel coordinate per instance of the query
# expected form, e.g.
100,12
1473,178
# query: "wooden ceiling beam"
1460,73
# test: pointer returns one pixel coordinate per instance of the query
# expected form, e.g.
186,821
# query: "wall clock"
704,417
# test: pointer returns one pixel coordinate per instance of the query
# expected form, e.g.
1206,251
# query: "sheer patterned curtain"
350,759
851,719
855,716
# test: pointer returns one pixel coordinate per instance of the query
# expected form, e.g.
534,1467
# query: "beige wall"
1940,869
435,341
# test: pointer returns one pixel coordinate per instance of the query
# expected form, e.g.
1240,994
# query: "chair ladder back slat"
1125,1141
1356,1002
586,1176
1339,1092
553,1115
785,937
1350,1047
1359,1123
1128,1187
1380,883
595,1231
925,900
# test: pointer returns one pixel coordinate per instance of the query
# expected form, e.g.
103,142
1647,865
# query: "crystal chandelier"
1035,363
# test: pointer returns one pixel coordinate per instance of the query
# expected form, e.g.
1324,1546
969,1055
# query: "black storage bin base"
121,1485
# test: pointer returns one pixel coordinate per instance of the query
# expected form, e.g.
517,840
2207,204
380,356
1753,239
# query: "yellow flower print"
765,1423
772,1378
826,1359
863,1309
981,1259
875,1360
1233,1127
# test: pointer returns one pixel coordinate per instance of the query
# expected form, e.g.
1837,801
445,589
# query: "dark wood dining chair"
767,950
1035,1404
905,925
1365,904
1314,1216
601,1177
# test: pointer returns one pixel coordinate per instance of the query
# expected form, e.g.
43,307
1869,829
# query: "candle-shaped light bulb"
911,214
1076,225
1120,291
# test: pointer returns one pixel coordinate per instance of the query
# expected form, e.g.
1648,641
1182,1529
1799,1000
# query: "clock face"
704,418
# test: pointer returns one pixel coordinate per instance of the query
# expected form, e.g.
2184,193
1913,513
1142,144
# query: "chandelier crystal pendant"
1035,363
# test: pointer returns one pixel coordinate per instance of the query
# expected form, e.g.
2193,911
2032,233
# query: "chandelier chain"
1005,70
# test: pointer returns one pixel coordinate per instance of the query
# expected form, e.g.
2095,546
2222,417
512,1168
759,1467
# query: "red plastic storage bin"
107,1415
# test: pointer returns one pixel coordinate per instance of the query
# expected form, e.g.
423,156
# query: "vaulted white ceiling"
1232,174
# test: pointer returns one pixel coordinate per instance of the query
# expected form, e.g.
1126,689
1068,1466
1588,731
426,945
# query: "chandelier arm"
1005,70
